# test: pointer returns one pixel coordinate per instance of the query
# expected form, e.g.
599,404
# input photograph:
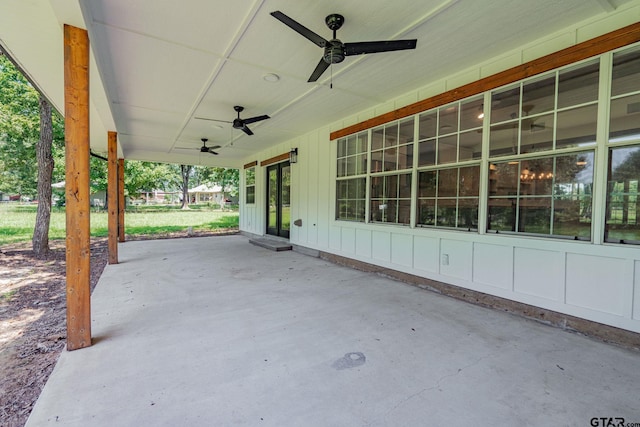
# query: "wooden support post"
76,135
112,195
121,203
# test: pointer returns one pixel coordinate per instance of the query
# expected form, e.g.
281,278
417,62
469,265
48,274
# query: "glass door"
279,199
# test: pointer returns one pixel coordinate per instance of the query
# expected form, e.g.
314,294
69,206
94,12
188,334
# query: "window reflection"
623,203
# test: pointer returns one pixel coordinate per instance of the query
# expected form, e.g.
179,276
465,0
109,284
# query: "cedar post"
112,197
121,203
76,122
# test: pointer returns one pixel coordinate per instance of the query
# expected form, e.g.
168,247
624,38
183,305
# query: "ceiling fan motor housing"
334,52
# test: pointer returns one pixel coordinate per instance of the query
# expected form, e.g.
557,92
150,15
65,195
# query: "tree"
40,241
228,179
185,172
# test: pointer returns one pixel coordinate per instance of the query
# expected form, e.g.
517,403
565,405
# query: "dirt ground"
33,319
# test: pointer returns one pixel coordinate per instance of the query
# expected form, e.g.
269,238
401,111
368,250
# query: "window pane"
446,213
625,119
427,153
377,210
390,213
578,85
623,203
377,187
574,174
361,145
405,156
503,139
351,145
342,167
427,184
404,211
536,134
351,165
447,182
471,114
505,104
404,190
469,181
376,161
426,212
626,72
427,125
391,186
536,177
572,217
406,131
251,195
468,214
447,148
470,145
577,127
448,119
390,159
502,214
342,147
535,215
341,189
391,134
538,96
503,179
377,138
361,164
250,176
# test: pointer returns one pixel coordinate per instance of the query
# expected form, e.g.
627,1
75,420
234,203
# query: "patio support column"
112,195
121,203
76,135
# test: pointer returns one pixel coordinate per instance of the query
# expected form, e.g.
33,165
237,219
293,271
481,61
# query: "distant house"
205,194
96,199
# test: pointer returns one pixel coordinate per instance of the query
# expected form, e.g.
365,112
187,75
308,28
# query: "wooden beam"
76,135
578,52
112,195
121,202
250,165
282,157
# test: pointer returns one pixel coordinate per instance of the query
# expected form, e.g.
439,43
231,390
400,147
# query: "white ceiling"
161,63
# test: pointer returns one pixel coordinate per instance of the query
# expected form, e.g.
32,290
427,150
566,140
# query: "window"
553,111
623,203
544,195
250,185
351,186
391,198
449,197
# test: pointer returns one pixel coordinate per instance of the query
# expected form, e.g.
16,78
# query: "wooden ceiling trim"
596,46
250,165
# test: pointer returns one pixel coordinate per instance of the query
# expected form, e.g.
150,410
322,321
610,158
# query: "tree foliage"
20,132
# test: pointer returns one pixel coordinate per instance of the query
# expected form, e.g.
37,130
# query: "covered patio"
187,332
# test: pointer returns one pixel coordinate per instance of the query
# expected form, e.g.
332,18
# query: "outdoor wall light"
293,155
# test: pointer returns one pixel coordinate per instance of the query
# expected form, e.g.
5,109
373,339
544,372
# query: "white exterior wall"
595,281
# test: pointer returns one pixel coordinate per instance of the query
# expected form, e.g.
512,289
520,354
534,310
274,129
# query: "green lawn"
17,221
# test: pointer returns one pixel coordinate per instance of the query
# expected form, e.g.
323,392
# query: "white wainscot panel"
539,273
425,253
363,243
381,246
597,283
348,244
455,258
636,292
401,249
335,237
493,265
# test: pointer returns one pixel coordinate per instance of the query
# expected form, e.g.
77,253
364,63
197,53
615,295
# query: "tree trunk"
185,170
40,241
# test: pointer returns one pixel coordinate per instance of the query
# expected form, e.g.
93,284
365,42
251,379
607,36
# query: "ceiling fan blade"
214,147
320,68
300,29
212,120
246,130
213,152
362,48
256,119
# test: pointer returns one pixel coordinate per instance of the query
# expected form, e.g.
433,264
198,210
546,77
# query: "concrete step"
271,244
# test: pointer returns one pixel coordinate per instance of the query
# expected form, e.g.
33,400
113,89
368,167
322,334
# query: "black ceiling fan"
334,50
204,148
239,123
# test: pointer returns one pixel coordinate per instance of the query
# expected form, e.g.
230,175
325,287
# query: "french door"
279,199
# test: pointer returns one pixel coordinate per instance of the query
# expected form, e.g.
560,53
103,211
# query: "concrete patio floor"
218,332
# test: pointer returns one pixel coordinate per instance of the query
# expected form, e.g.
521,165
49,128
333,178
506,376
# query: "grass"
17,221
